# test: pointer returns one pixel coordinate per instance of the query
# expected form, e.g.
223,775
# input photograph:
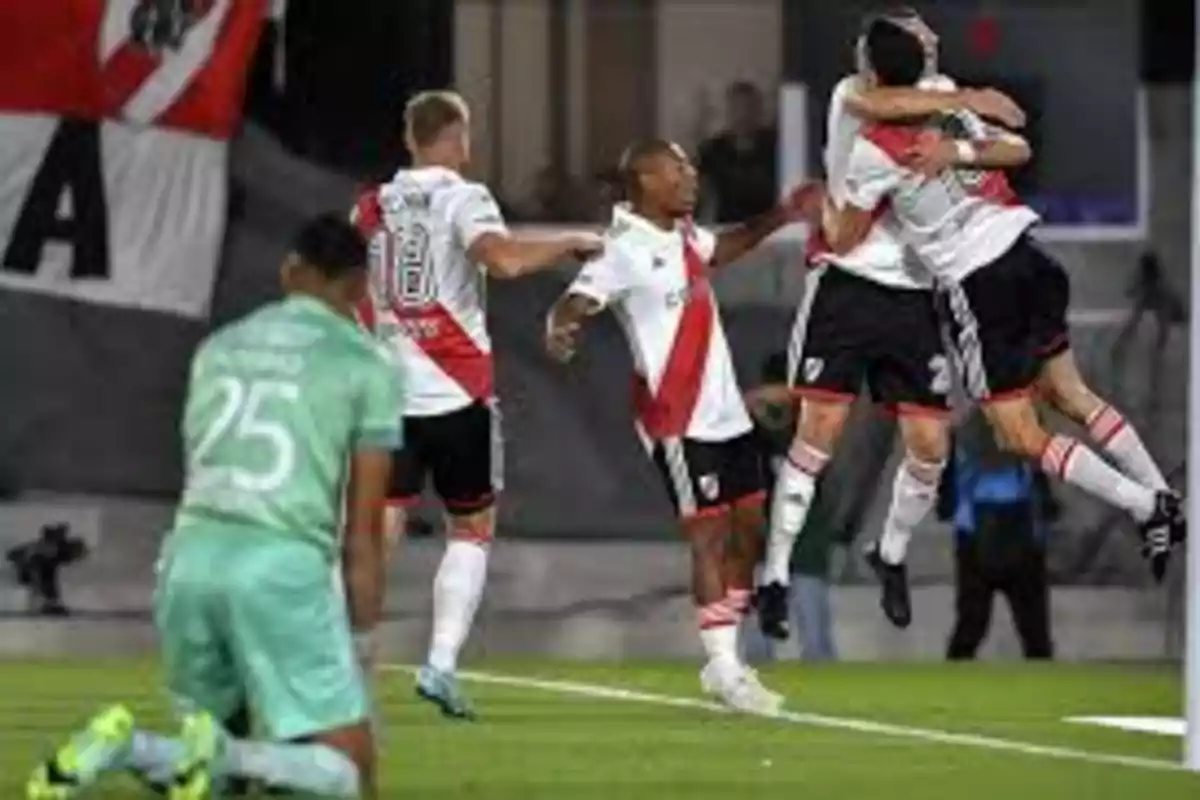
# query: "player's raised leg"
821,421
1061,383
1156,512
1000,315
914,494
830,355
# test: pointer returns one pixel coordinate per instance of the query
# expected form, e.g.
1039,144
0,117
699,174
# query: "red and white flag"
115,117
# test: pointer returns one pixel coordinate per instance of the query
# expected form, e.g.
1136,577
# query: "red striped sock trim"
739,600
1104,424
1056,458
808,459
716,615
926,472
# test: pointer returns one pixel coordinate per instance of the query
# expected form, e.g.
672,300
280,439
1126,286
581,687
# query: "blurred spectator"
774,411
557,197
1151,294
1000,507
738,165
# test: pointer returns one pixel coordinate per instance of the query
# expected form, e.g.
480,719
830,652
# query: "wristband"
967,154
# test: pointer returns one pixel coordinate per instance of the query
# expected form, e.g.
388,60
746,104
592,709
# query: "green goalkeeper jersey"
276,405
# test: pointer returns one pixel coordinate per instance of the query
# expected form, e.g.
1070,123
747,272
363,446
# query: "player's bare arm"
930,155
736,242
507,256
895,103
365,548
845,226
564,321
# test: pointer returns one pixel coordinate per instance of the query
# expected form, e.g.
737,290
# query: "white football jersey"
656,282
881,257
427,297
955,222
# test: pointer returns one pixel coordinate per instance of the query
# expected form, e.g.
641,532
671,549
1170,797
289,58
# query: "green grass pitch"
537,743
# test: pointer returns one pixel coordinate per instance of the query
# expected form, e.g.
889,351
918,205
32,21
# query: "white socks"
719,635
795,486
914,493
153,757
1113,433
309,768
1074,463
457,589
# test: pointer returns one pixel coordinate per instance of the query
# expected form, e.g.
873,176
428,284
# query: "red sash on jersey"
450,347
896,140
669,413
432,328
367,216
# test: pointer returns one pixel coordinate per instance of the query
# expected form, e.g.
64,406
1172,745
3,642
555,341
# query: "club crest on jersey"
813,367
710,486
658,263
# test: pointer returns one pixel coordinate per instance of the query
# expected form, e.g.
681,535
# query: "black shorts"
852,332
461,452
708,477
1006,319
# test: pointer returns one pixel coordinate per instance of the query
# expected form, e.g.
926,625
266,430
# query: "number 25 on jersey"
246,446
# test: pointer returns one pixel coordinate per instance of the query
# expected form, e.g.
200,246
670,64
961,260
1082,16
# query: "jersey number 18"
400,266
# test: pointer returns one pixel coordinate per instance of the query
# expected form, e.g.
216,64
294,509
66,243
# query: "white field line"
930,735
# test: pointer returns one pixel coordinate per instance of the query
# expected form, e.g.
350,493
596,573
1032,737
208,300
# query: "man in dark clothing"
1000,507
738,165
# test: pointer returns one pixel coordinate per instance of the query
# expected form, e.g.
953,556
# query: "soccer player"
654,274
1006,300
288,411
868,319
433,235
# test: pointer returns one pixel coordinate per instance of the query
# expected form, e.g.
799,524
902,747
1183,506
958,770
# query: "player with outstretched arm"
654,276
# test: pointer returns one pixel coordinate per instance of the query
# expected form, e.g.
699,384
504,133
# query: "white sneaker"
740,691
710,679
749,698
751,676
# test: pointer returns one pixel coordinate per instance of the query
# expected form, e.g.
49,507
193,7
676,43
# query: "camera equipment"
37,564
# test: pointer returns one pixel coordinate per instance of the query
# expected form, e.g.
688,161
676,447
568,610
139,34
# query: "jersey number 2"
244,418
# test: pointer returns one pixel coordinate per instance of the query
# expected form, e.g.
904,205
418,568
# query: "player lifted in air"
868,319
654,275
433,237
292,414
1005,300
